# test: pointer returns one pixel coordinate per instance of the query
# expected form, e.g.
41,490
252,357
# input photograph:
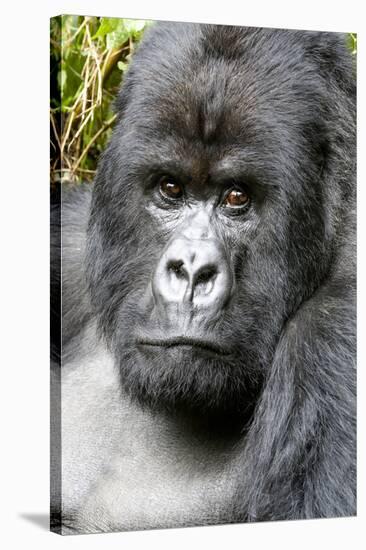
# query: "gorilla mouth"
183,341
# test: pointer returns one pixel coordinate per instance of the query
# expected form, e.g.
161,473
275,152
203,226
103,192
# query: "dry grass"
87,64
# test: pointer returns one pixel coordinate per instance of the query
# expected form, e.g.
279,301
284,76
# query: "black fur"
281,106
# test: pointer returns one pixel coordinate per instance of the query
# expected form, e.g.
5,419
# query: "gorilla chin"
189,375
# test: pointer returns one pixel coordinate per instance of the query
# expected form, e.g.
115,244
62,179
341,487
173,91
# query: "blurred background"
89,56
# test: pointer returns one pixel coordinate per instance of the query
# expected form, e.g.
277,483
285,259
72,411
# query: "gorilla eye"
171,189
236,199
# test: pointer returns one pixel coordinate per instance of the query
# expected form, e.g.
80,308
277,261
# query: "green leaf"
134,26
352,42
107,26
122,66
117,38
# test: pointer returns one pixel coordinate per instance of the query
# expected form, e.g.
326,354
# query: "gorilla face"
208,226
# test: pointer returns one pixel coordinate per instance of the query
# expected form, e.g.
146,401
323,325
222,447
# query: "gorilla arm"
300,451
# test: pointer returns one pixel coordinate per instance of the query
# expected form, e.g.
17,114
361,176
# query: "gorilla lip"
183,341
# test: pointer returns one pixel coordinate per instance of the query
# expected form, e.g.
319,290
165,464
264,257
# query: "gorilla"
207,356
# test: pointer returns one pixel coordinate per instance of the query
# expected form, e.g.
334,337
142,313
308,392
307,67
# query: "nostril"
205,275
177,267
193,274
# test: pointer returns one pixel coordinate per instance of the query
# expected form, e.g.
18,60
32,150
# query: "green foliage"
89,55
352,42
118,31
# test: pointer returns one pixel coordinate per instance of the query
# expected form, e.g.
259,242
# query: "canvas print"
203,318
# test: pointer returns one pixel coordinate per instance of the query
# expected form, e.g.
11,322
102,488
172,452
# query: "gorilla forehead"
215,71
224,92
201,102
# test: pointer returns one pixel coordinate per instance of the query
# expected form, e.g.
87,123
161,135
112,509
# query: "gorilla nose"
193,272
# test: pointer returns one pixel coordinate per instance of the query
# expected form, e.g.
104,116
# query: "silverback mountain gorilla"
208,290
